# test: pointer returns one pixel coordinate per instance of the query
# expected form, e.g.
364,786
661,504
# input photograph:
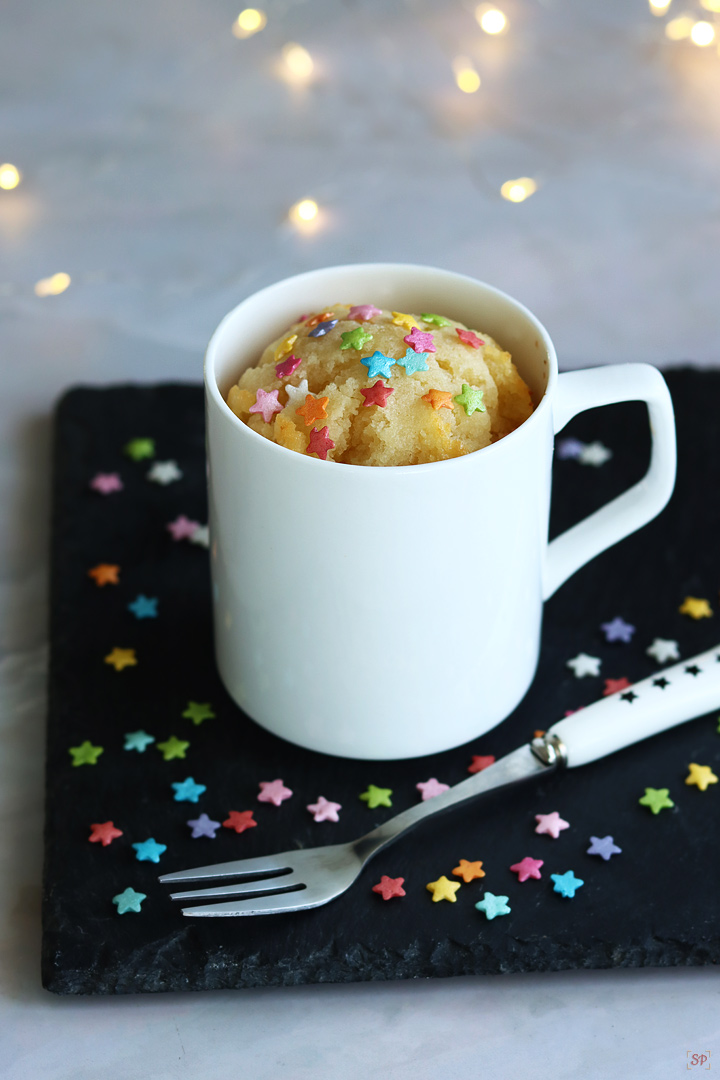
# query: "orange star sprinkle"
315,320
121,658
313,409
439,399
468,871
105,574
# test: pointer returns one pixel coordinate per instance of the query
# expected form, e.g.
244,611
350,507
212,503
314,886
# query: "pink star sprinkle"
324,810
469,338
420,340
377,394
106,483
552,824
480,762
363,312
320,443
267,404
287,367
613,685
430,788
182,528
527,868
388,887
273,791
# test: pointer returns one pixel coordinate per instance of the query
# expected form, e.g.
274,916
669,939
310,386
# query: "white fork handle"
670,697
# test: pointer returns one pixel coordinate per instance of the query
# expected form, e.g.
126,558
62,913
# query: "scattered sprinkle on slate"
149,850
240,820
273,791
527,868
106,483
182,528
550,824
614,686
203,826
618,630
324,809
138,740
121,658
469,871
187,790
492,905
443,889
603,846
198,711
86,753
389,887
376,796
139,449
104,833
164,472
129,900
663,650
583,665
701,776
429,789
173,748
594,453
695,608
656,799
144,607
105,574
566,884
480,762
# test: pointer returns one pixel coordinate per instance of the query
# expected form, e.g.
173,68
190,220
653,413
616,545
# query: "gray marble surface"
160,156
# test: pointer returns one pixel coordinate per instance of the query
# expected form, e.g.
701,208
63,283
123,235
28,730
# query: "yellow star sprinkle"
405,321
442,889
695,608
121,658
701,776
285,346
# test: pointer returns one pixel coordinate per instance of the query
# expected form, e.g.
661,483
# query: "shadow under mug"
384,613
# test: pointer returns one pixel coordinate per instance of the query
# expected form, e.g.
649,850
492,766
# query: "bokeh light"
679,28
702,34
518,190
250,21
492,20
298,62
710,5
303,212
659,7
53,285
9,177
466,76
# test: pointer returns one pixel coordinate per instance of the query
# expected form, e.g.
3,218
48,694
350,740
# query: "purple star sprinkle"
618,630
569,448
203,826
323,328
603,847
106,483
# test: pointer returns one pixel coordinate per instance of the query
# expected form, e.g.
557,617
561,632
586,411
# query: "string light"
659,7
9,177
492,20
518,190
679,28
51,286
466,76
710,5
249,22
298,62
303,212
702,34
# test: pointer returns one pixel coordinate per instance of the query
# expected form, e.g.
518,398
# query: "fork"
309,877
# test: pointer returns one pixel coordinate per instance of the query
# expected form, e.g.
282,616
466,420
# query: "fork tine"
261,905
285,883
265,864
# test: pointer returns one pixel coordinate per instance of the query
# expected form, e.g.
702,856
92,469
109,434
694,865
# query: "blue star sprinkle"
378,364
603,846
188,790
138,740
144,607
323,328
413,361
493,905
129,900
566,884
618,630
149,851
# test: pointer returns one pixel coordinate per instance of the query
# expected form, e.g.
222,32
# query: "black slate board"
656,904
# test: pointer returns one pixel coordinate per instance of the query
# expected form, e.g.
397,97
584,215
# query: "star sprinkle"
164,472
85,753
320,443
439,399
285,368
121,658
471,399
188,790
388,887
173,748
273,791
324,810
139,449
182,527
149,851
355,339
430,788
656,799
701,775
469,337
313,409
240,820
105,574
568,449
197,711
613,686
315,320
377,394
378,364
323,328
363,312
480,762
201,536
493,905
138,740
584,665
266,403
376,796
421,341
285,346
106,483
604,846
438,320
551,824
104,833
413,361
203,826
469,871
695,608
618,630
129,900
663,650
566,884
527,868
296,394
443,889
144,607
406,321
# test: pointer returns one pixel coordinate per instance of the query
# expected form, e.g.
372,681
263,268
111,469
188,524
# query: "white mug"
394,612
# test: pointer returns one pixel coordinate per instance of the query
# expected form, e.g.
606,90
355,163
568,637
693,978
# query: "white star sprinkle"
594,453
583,665
296,394
201,536
164,472
662,650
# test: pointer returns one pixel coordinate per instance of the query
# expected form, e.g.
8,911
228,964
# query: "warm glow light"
298,61
9,177
710,5
518,190
491,20
702,33
51,286
466,76
679,28
303,211
249,22
659,7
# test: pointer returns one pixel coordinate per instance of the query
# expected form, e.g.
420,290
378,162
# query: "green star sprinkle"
129,900
138,740
137,449
85,754
355,339
470,399
377,796
173,748
198,711
718,727
656,798
439,320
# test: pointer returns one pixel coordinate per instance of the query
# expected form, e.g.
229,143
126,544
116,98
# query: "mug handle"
607,385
